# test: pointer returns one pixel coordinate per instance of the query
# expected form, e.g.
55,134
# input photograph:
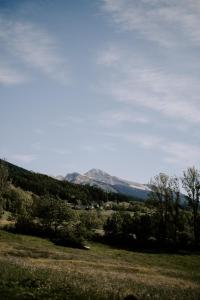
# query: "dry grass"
102,272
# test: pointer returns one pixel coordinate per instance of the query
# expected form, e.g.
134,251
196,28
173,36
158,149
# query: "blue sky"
109,84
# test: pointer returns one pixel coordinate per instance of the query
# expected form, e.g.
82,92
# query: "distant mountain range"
103,180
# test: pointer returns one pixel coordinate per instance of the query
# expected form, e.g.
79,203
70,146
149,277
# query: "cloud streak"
109,57
35,47
168,92
9,76
173,152
174,96
23,158
167,22
181,153
120,117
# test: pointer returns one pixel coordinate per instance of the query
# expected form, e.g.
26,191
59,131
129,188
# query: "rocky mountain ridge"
109,183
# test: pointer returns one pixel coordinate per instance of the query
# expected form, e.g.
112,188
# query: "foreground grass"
34,268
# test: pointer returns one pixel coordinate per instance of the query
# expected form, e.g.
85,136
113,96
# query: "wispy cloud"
144,84
175,152
109,56
172,95
23,158
105,147
144,140
70,119
35,47
109,147
61,151
9,76
167,22
120,117
38,131
181,153
88,148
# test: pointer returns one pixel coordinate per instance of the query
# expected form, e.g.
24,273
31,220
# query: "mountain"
59,177
109,183
86,180
43,185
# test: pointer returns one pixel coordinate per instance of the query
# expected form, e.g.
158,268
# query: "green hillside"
41,185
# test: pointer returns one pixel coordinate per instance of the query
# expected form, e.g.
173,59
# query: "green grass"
34,268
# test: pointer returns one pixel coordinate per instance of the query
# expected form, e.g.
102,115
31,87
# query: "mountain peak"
71,177
101,176
95,172
103,180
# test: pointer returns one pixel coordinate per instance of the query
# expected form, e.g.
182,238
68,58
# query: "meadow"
35,268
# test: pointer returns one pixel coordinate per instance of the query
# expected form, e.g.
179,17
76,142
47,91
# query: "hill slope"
41,185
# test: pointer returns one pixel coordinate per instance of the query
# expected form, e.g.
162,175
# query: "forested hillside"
42,185
72,214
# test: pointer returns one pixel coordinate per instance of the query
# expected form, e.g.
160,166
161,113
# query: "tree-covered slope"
41,184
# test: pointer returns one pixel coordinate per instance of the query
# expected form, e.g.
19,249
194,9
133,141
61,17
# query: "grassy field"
34,268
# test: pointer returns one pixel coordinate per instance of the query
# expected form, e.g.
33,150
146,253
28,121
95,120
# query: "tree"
175,212
113,226
53,213
162,197
191,184
90,220
22,208
166,196
3,182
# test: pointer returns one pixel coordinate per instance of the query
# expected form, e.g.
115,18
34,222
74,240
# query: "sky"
108,84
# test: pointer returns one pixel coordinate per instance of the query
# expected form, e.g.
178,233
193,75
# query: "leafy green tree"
113,226
145,224
130,229
165,197
21,205
91,219
53,213
191,184
161,198
176,221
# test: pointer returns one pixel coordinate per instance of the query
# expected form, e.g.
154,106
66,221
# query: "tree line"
172,221
167,219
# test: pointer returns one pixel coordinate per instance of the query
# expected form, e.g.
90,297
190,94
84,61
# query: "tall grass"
34,268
